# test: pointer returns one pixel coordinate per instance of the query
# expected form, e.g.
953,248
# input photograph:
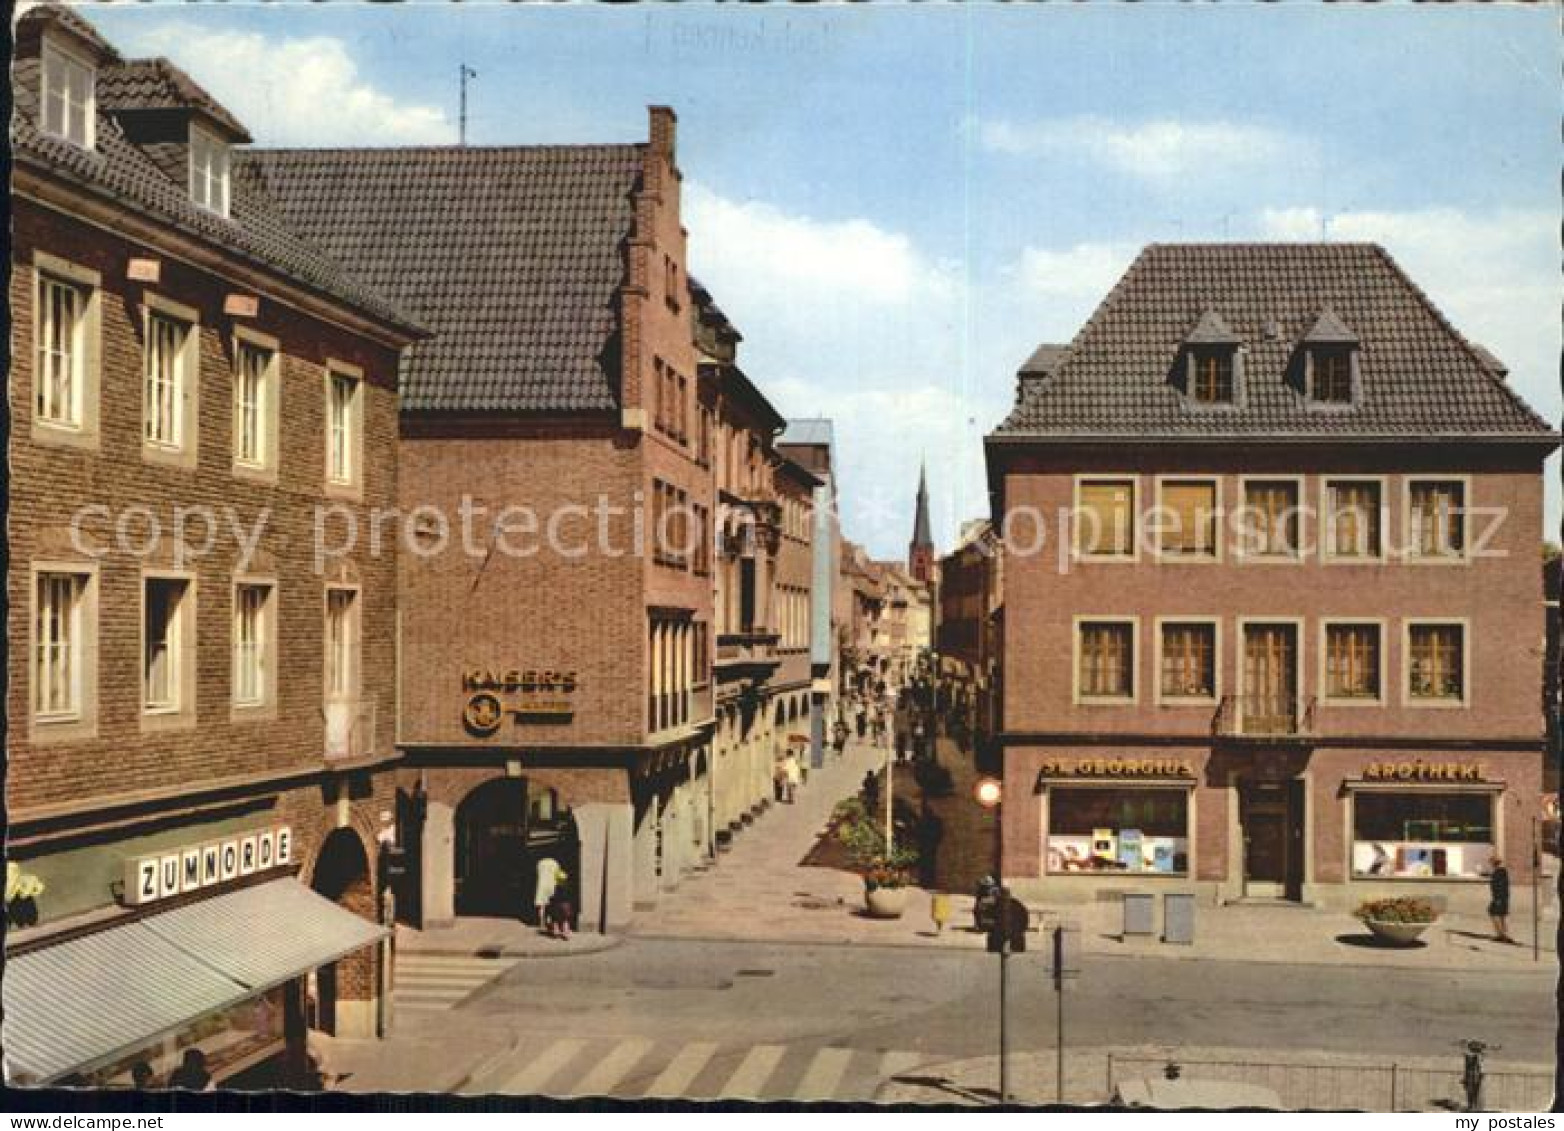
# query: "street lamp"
990,793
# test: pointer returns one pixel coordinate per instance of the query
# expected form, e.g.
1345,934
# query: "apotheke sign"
1425,771
151,878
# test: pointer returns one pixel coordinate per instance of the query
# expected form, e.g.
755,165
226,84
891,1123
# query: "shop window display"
1129,831
1421,835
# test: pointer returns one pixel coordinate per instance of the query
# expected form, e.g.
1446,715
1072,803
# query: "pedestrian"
191,1074
549,875
839,735
871,790
863,723
141,1076
1499,899
558,912
778,783
793,772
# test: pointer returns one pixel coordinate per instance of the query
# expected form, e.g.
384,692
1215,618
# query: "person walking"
549,875
863,723
792,776
1499,899
871,790
559,911
839,736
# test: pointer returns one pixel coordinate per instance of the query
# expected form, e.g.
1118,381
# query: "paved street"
866,1009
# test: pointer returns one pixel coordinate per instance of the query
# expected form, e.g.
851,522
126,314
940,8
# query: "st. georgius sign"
530,695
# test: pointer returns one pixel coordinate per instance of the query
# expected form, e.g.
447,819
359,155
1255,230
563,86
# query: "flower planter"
885,903
1397,934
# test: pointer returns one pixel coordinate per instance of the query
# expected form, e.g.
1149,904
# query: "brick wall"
49,483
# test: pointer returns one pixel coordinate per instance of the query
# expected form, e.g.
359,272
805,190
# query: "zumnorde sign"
151,878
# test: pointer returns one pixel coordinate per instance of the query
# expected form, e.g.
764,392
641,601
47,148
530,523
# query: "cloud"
1493,274
781,253
1083,271
313,94
1158,149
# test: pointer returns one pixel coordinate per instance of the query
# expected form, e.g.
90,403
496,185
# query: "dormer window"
1212,362
1330,360
1332,375
209,170
69,103
1211,376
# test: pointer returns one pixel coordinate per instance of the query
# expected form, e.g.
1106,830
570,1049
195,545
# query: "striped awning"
82,1003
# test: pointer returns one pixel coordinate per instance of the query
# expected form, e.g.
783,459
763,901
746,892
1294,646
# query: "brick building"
562,703
763,574
1281,639
810,444
971,597
168,789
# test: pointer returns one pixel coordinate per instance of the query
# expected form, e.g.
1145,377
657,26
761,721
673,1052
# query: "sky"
895,204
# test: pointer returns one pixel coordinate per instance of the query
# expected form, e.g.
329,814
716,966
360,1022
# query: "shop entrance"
342,876
491,842
502,832
1271,818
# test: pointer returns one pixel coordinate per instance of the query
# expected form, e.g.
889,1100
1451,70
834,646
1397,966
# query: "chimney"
664,124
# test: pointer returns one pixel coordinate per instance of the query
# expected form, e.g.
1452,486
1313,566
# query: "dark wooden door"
1265,846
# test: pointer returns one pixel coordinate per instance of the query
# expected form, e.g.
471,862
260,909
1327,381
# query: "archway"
491,842
504,828
341,875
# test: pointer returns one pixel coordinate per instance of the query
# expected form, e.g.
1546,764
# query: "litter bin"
1178,917
1140,913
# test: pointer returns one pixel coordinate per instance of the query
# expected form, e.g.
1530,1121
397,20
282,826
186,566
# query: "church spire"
920,552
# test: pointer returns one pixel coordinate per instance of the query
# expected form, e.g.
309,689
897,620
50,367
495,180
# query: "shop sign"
151,878
1116,768
533,695
1425,771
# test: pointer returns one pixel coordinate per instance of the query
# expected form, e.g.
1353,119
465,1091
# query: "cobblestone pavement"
761,890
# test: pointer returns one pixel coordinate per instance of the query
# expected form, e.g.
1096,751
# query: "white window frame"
81,648
209,170
58,62
1162,699
1419,702
1327,521
1213,558
264,694
1081,481
81,431
184,382
1325,698
1241,551
350,479
1410,552
1080,699
354,644
266,411
182,645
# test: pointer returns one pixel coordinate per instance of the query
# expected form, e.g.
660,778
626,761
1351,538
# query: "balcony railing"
747,650
350,730
1263,716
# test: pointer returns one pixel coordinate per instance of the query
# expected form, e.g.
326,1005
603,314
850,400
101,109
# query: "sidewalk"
760,891
471,935
438,1063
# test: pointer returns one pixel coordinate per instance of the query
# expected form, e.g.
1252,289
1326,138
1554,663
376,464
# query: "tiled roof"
808,430
35,19
1043,359
156,84
120,170
513,257
1419,376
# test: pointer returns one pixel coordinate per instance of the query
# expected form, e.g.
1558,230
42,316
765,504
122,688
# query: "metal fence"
1358,1087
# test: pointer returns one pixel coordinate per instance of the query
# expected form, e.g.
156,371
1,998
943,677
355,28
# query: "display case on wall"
1126,830
1414,835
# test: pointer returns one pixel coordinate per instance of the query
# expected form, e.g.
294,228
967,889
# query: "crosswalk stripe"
895,1062
682,1069
535,1075
753,1071
439,983
824,1074
613,1068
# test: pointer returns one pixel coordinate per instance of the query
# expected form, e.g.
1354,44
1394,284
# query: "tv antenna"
464,72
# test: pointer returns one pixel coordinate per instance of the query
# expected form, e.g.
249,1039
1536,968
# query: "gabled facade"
1275,644
556,690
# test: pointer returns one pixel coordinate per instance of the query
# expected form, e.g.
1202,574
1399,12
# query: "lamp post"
990,794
